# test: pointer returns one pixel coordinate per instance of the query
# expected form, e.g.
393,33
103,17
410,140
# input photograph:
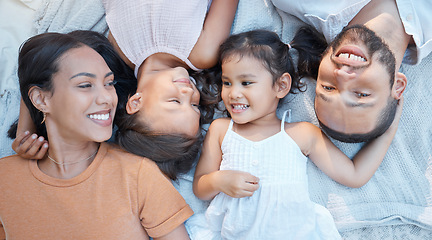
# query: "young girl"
254,165
165,41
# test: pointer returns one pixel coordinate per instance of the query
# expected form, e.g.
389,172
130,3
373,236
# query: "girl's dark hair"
37,63
276,56
173,153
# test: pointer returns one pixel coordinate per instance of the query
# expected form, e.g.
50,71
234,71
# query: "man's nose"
344,73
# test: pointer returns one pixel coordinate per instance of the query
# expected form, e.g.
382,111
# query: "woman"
82,188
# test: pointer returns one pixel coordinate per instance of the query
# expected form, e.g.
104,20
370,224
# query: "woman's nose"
105,96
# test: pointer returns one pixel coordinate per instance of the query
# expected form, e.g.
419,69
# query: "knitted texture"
67,15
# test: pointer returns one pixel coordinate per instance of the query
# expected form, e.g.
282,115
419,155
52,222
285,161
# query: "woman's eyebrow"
85,74
91,75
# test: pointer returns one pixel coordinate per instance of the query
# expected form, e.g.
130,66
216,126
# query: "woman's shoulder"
123,157
13,160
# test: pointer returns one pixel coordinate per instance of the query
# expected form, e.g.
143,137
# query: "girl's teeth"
99,116
240,106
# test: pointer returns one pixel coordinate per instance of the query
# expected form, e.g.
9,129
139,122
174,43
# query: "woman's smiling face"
84,100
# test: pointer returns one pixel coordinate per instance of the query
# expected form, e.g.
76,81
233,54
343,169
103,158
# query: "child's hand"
238,184
30,146
394,125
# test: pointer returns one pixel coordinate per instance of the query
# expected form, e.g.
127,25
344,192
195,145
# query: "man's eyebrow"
359,104
323,97
349,104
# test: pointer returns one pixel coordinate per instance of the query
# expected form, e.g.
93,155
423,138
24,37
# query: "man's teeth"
99,116
240,106
352,57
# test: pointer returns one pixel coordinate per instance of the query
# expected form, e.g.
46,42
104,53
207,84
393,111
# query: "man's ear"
399,85
39,98
283,85
134,104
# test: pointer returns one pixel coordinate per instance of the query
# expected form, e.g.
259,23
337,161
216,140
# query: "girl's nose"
186,90
235,93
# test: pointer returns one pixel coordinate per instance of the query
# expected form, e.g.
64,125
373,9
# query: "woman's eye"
85,85
174,101
111,83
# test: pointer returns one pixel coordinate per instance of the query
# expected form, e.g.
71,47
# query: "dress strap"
283,118
231,124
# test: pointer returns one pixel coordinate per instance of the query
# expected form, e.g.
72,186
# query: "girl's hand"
237,184
393,127
30,146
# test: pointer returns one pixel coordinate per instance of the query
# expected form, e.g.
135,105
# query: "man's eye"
361,95
328,88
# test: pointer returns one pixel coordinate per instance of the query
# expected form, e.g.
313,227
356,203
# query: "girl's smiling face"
83,102
248,91
169,101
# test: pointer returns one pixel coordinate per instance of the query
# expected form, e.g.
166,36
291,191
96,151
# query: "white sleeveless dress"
280,208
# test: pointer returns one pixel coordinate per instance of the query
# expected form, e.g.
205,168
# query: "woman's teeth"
99,116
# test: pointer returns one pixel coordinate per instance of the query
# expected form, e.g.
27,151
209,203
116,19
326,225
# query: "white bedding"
395,204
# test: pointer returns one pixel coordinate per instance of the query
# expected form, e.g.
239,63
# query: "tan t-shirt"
119,196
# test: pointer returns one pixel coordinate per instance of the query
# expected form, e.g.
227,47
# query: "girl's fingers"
42,151
20,138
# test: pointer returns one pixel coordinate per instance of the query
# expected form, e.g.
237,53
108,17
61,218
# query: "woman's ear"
134,104
399,85
38,97
283,85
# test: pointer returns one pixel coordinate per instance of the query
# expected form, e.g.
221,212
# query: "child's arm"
28,145
339,167
178,233
217,27
209,180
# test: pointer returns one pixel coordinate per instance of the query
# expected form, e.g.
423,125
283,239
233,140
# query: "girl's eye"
85,85
226,83
174,101
327,88
196,107
362,95
246,83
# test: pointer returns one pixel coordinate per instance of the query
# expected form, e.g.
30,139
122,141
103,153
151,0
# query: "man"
358,82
